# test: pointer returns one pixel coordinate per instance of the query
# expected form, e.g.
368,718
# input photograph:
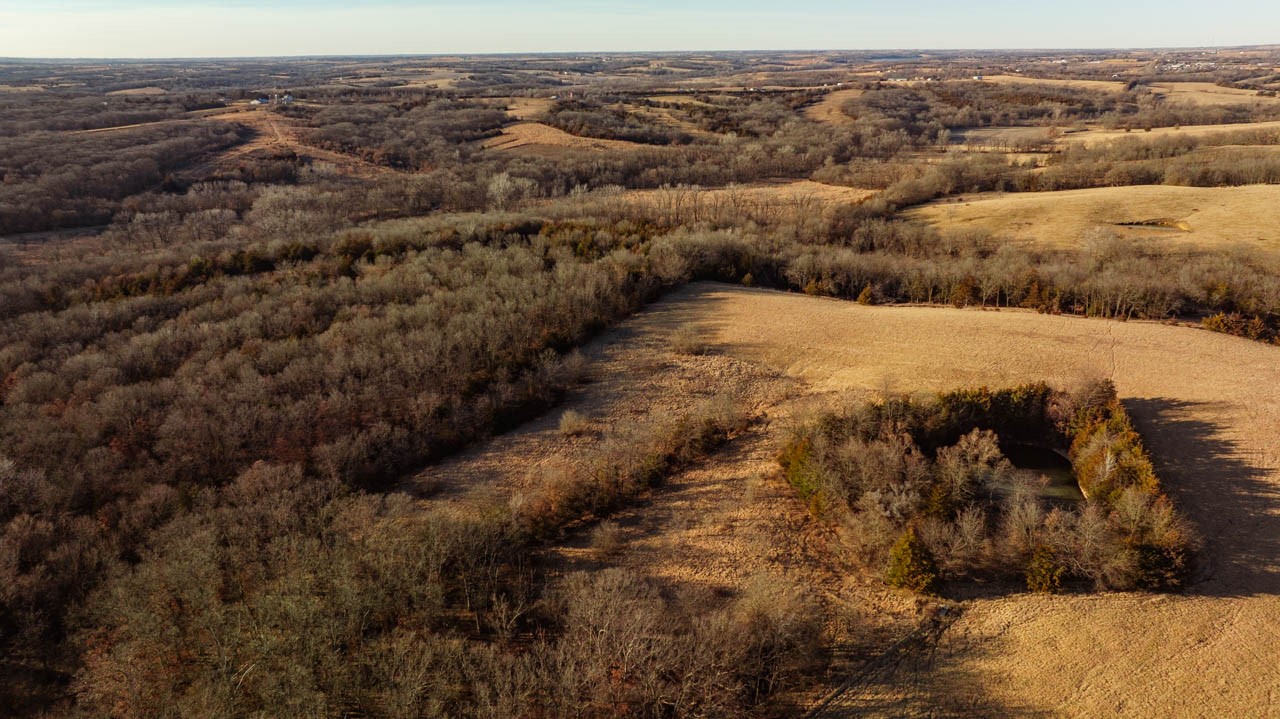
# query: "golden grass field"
828,108
1182,217
529,108
537,136
1097,136
799,192
1104,85
141,91
1208,407
1207,93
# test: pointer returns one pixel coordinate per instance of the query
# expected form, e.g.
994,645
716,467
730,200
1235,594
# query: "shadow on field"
1234,505
931,680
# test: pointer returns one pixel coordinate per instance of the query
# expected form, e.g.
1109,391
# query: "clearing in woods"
529,108
1182,217
273,132
537,136
1098,136
1104,85
799,193
1207,93
828,109
1206,404
141,91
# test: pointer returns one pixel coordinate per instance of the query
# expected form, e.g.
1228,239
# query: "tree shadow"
936,678
1234,505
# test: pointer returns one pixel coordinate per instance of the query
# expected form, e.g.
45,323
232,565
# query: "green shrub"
801,473
911,564
1044,572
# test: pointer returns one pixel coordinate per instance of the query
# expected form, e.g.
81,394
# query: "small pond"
1041,461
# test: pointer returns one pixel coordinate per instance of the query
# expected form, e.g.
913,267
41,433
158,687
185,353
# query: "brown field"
1205,403
1104,85
141,91
801,192
528,108
828,110
1207,93
535,135
1187,217
1098,136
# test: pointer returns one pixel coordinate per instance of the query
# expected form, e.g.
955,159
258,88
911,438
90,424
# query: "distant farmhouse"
276,99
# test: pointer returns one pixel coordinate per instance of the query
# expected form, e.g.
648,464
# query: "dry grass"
1103,85
689,340
1209,409
665,117
607,540
529,108
141,91
276,132
1098,136
827,110
1002,138
1209,94
1184,217
537,135
574,424
680,100
800,192
1207,406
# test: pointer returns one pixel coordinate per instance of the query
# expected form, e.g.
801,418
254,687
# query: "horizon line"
555,53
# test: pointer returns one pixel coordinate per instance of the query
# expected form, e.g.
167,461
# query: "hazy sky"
207,28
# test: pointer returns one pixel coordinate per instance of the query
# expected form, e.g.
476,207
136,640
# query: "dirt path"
272,132
277,133
122,128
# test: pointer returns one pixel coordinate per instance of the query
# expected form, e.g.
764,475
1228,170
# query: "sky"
244,28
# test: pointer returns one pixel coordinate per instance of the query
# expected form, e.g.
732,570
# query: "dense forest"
211,389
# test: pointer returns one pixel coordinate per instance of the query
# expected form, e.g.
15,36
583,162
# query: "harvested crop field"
1184,217
535,135
1206,406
